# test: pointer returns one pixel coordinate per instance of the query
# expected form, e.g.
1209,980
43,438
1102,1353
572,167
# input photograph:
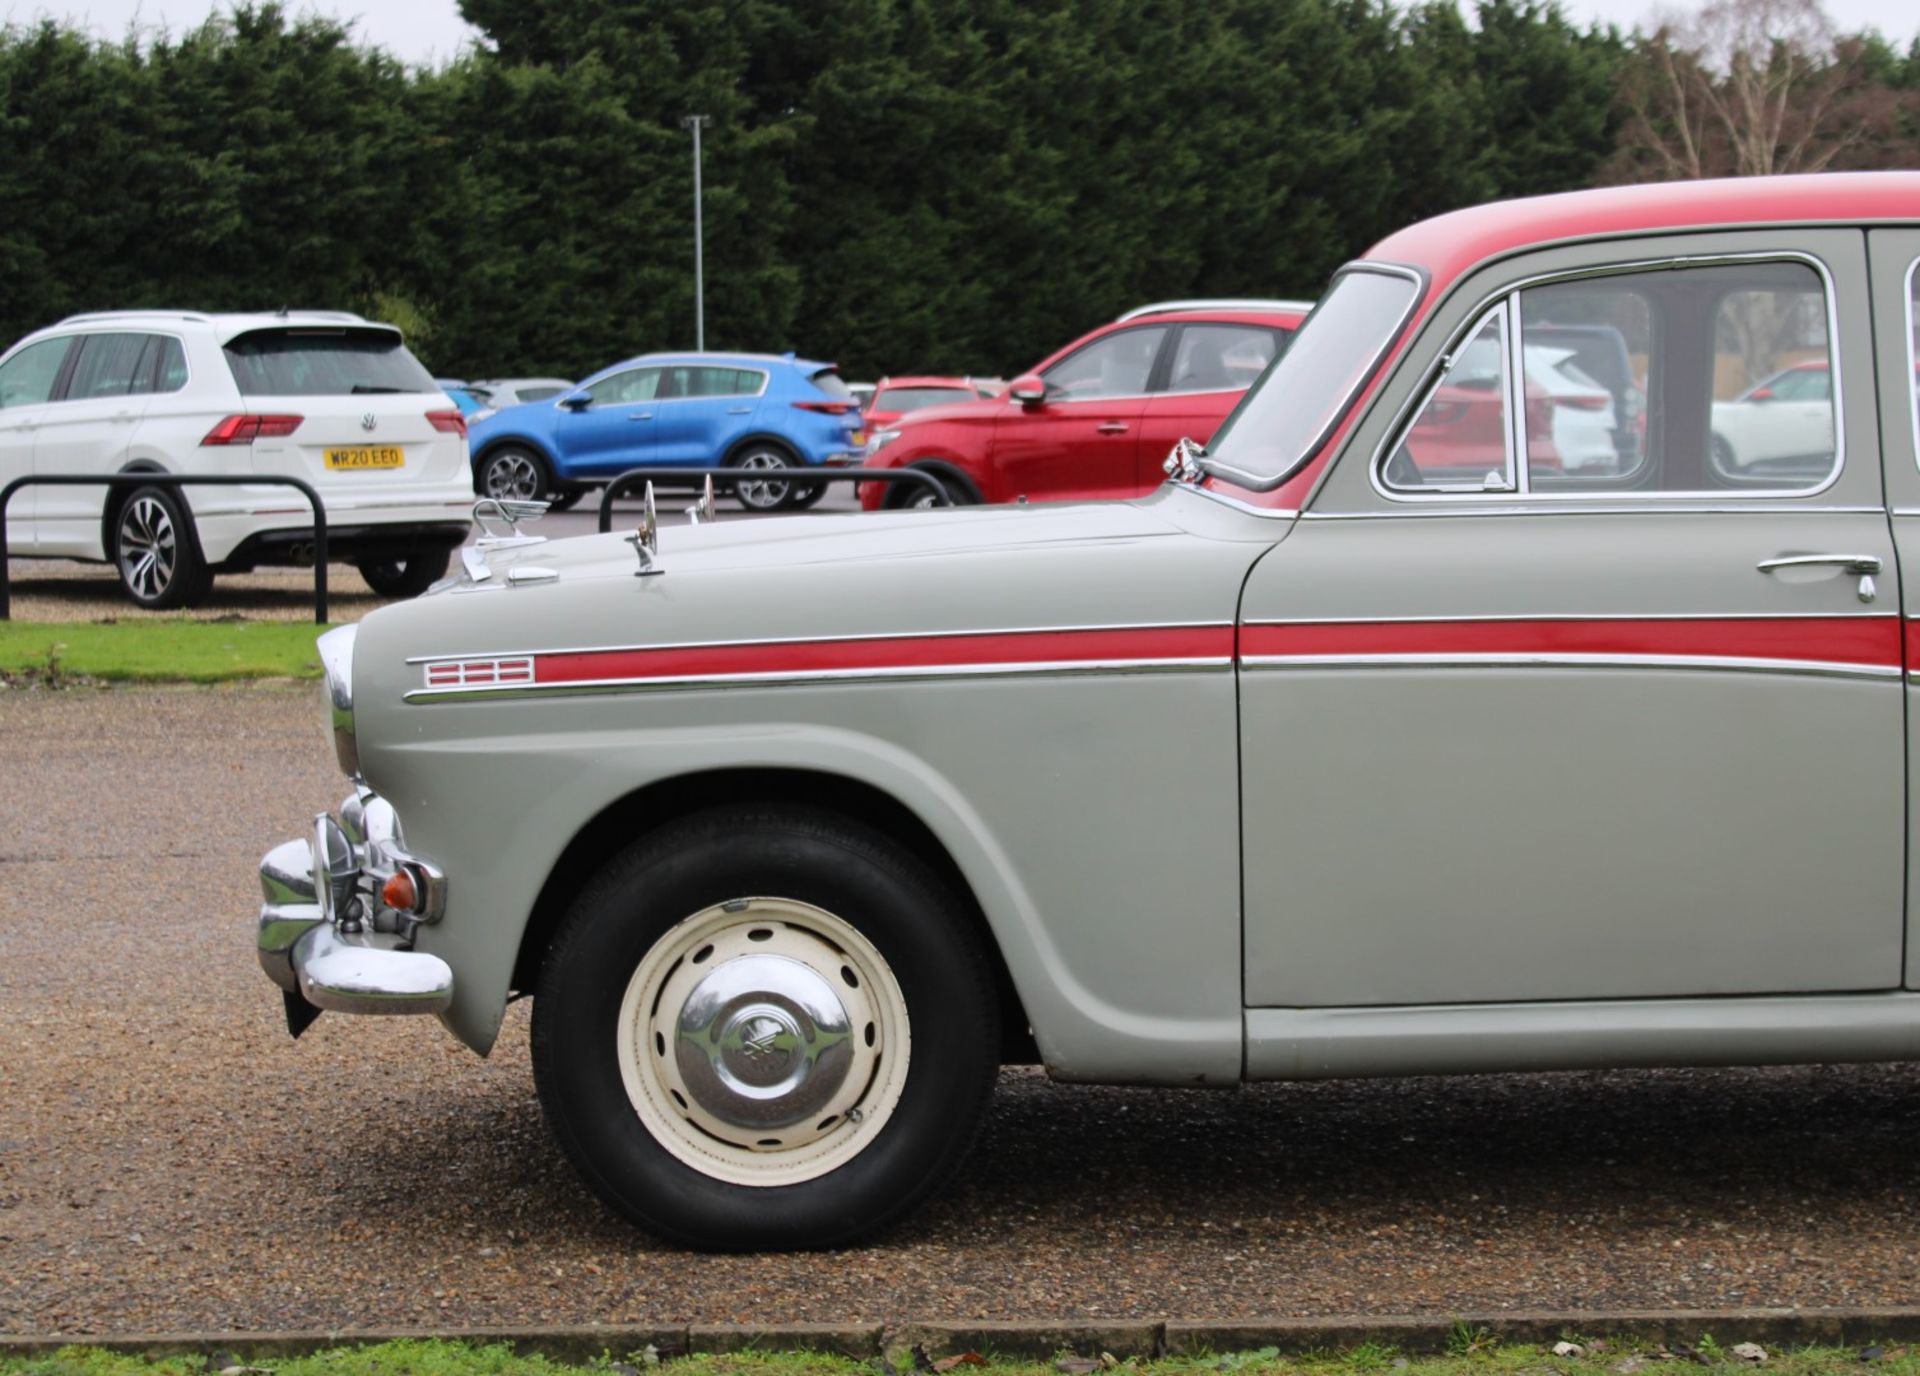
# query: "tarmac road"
169,1159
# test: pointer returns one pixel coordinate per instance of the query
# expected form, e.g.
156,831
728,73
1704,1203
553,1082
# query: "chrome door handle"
1865,565
639,415
1112,427
739,410
1852,563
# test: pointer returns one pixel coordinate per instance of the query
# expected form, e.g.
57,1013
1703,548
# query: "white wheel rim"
763,1041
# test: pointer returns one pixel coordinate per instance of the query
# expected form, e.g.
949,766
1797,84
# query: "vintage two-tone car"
1329,758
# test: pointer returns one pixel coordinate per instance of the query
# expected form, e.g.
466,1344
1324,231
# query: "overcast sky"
432,30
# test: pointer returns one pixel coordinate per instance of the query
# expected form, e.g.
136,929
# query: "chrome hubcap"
512,475
762,496
149,548
763,1041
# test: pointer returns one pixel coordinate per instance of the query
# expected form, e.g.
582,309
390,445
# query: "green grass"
156,651
440,1358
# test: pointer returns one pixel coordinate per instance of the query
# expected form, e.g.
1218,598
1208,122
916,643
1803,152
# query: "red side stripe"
1841,639
900,653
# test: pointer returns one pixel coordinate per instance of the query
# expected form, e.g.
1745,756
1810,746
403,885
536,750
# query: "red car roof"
1449,245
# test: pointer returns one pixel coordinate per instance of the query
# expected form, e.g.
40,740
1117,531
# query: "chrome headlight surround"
877,441
336,658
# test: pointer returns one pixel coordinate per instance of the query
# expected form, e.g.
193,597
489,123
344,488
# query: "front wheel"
765,1028
409,576
156,552
514,474
920,497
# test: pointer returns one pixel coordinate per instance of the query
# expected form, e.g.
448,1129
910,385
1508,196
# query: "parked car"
470,400
1300,767
1783,424
1096,418
503,392
894,397
319,395
718,410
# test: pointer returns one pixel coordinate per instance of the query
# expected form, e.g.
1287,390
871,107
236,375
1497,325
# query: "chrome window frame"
1513,435
1259,482
1912,376
1408,413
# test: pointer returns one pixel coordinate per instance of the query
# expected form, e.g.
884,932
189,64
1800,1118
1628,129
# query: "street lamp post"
695,122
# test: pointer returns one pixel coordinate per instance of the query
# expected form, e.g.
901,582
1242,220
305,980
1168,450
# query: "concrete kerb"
1035,1340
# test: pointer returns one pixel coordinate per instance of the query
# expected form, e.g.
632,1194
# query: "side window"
169,364
108,366
636,384
1710,379
716,382
1115,365
1221,358
28,377
1461,439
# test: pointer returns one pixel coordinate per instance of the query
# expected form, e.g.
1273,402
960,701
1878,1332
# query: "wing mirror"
1028,391
576,401
1760,394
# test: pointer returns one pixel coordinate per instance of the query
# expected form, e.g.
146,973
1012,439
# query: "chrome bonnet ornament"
1183,463
702,510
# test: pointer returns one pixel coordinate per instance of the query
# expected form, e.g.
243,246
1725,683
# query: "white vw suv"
323,396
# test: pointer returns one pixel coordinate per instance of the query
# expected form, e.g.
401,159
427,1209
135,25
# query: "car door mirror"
576,401
1760,394
1028,391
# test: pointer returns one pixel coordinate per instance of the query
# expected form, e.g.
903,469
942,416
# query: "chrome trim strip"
1256,482
1057,669
1569,616
1913,355
1678,509
1410,412
1552,660
1223,304
819,640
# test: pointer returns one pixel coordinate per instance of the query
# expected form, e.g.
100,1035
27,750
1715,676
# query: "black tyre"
806,495
765,1028
764,496
157,552
408,577
917,496
565,498
512,472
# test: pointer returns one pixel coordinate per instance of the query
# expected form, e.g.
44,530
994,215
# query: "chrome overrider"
329,933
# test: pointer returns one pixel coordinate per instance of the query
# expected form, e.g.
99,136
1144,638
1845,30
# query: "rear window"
829,382
913,398
324,363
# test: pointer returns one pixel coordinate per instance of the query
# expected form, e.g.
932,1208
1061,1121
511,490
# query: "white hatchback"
323,396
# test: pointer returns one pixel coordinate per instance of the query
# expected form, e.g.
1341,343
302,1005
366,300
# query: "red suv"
1098,417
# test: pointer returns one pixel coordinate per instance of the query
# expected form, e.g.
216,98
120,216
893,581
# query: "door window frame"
1154,370
1509,294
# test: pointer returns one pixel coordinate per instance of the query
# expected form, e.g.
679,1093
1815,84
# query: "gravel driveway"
169,1159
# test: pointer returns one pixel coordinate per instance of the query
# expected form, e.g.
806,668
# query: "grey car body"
1295,768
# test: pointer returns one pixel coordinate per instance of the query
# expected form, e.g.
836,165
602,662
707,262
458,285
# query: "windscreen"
830,382
1293,406
303,362
916,398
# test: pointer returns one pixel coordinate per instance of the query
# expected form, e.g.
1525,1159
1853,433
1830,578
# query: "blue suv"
674,410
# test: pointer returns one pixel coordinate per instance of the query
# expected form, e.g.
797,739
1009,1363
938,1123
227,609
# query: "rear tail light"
448,422
828,408
247,429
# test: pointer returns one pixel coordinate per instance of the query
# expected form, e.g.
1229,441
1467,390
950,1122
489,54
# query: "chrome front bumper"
326,935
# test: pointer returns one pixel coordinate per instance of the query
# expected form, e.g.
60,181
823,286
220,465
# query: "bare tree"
1749,88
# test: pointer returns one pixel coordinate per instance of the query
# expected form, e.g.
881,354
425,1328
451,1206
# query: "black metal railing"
176,480
734,477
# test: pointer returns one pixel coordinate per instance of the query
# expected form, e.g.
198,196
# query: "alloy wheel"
149,548
512,475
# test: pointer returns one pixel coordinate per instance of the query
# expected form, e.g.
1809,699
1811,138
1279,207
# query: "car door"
1895,269
1083,440
702,409
1515,732
28,383
1210,367
614,429
88,431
